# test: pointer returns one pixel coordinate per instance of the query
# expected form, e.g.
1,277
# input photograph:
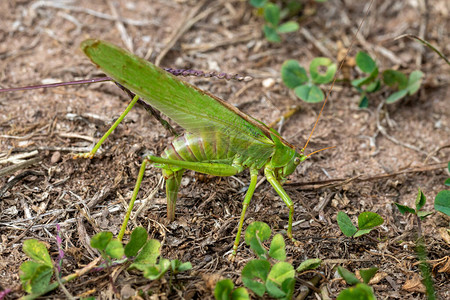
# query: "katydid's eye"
296,160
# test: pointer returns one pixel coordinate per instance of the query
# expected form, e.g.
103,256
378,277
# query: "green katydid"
221,140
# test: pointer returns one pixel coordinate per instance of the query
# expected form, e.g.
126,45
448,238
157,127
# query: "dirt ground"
382,154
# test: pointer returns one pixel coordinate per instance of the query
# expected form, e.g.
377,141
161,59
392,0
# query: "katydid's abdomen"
193,148
190,148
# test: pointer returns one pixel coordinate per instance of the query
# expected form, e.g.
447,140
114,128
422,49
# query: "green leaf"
359,292
35,277
363,101
365,80
373,87
345,224
277,248
271,34
288,287
280,272
309,264
393,78
394,97
37,251
369,220
137,240
101,240
149,253
319,77
290,26
293,7
442,202
154,272
420,200
447,182
258,3
309,93
348,276
256,233
404,209
240,294
361,81
362,232
367,274
178,266
365,62
414,82
275,290
272,14
256,269
114,249
223,289
293,74
423,214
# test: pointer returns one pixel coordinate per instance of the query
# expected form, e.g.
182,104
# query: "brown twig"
342,181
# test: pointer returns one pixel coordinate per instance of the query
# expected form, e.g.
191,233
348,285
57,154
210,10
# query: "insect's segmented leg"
173,180
100,142
133,198
215,169
248,197
270,176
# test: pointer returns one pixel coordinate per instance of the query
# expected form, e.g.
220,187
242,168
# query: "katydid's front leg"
270,176
105,136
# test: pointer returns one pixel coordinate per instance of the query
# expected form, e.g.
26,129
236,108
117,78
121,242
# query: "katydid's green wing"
193,109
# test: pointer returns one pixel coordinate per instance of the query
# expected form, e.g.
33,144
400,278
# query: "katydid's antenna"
41,86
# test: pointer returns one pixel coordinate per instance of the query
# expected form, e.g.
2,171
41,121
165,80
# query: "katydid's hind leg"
133,199
105,136
173,180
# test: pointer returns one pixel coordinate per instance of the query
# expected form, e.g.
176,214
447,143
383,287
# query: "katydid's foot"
83,155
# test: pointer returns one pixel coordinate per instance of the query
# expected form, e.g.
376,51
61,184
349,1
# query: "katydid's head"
290,167
285,159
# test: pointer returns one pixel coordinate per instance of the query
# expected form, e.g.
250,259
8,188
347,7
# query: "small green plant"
306,88
392,78
260,275
35,274
420,202
225,291
142,253
269,273
359,290
421,249
366,222
273,15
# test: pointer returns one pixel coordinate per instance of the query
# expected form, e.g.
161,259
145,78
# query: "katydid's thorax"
217,147
284,160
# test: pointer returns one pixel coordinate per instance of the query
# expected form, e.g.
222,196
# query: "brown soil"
372,154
